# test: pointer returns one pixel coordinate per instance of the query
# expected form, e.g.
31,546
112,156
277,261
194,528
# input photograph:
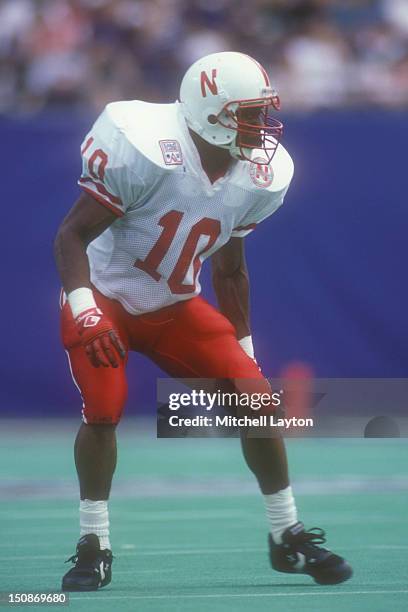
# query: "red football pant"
190,339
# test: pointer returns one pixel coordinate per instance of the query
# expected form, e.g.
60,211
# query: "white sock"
94,518
281,512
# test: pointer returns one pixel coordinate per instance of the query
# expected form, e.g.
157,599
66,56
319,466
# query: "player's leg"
103,392
198,342
95,454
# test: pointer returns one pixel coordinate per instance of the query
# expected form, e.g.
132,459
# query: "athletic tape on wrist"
247,345
81,299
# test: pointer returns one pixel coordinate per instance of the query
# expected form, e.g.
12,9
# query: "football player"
164,187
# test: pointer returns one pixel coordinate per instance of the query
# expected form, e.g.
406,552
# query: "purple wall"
328,270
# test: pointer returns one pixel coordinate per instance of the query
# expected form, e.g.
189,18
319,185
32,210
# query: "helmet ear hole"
212,119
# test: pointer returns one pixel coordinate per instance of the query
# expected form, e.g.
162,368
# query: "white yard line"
242,595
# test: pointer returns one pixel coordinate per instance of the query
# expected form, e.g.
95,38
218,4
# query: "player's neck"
214,160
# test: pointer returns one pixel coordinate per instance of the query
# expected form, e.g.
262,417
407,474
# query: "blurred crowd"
85,53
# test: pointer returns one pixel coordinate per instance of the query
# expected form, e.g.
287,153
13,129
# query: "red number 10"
170,223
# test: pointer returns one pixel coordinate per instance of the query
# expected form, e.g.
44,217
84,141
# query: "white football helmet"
226,98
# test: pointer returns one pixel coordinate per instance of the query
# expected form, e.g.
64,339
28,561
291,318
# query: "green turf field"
188,527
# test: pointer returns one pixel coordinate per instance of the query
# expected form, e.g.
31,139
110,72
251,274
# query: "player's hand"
99,338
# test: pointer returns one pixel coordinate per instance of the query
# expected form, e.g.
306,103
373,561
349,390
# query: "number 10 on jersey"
170,222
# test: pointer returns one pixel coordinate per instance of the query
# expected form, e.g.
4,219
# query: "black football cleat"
300,553
93,566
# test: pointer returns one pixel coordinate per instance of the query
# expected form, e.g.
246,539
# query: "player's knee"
96,417
102,431
104,410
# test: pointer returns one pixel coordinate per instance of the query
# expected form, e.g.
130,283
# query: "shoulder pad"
153,129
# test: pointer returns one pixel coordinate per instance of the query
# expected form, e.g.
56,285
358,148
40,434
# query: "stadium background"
327,271
328,286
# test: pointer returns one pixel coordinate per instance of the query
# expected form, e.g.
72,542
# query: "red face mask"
255,128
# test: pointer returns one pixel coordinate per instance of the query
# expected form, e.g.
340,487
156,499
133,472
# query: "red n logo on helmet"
205,82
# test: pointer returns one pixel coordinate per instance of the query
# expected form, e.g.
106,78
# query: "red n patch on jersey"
261,173
205,81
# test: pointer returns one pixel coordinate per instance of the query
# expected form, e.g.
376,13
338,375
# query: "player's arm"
231,285
85,221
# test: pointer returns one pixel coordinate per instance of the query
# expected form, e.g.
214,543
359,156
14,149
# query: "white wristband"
246,344
81,299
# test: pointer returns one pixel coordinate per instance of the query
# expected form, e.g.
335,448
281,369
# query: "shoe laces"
308,542
313,536
75,557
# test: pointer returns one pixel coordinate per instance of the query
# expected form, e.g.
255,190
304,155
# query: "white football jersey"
139,160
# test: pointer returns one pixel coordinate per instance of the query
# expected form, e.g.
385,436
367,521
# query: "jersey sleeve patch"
261,174
171,151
